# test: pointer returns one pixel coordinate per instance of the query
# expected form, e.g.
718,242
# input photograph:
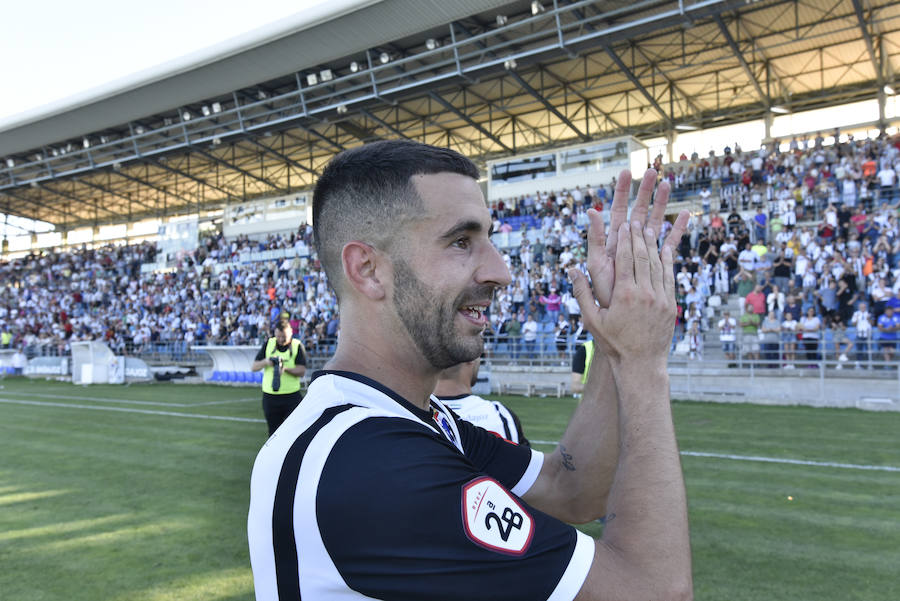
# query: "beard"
430,319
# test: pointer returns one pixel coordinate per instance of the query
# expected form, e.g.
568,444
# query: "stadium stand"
840,247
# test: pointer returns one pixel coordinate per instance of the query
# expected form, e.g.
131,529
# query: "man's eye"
462,243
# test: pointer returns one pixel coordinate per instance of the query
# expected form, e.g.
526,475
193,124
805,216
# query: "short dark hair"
365,193
282,324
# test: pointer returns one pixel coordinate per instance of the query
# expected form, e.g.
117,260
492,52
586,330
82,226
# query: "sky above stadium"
58,49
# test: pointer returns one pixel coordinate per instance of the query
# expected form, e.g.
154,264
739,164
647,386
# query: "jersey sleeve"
262,351
403,515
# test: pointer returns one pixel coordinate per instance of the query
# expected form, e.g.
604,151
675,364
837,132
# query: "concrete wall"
863,389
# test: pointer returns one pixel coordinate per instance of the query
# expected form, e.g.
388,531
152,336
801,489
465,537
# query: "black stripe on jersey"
285,547
505,423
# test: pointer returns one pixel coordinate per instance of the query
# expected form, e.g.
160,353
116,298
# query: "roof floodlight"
216,141
262,95
139,130
104,139
354,66
186,116
38,156
510,64
502,20
384,57
217,107
206,110
85,143
311,79
69,147
431,43
55,152
326,75
536,7
686,127
780,110
10,163
117,166
889,90
341,109
167,121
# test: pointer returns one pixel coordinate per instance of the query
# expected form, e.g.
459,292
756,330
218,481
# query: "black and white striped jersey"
362,495
490,415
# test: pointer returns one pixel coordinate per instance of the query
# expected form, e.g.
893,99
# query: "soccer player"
373,489
454,390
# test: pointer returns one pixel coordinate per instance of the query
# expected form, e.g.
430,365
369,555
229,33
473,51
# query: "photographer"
284,361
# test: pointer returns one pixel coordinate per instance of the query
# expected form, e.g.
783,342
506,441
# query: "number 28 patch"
494,519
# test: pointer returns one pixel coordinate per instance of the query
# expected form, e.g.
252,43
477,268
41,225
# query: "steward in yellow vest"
581,361
283,362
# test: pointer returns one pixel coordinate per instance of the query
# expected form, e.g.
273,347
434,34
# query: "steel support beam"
469,120
40,205
112,193
867,37
540,98
79,201
152,186
740,57
281,156
637,83
243,172
193,178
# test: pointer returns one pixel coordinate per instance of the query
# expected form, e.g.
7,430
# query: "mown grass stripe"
849,466
226,418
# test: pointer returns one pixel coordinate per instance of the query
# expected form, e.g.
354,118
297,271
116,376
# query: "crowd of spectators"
805,236
50,299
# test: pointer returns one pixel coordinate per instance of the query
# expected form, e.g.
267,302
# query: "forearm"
580,469
260,364
298,370
647,506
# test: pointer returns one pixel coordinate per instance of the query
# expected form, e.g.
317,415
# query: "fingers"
660,201
596,238
618,212
668,274
645,193
656,275
641,256
581,290
624,258
677,231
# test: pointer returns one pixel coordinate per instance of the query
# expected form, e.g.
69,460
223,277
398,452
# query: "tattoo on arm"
567,459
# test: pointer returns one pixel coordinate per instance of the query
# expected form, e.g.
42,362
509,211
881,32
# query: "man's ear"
360,262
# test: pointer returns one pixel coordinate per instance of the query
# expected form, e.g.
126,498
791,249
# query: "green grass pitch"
139,493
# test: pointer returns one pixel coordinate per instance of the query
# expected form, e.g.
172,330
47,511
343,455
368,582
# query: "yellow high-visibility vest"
289,383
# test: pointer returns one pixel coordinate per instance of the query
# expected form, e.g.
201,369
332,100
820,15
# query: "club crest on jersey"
441,420
494,519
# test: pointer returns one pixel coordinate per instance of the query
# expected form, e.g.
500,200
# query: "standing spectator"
529,335
810,330
695,340
862,322
888,326
770,331
789,327
842,343
749,324
727,335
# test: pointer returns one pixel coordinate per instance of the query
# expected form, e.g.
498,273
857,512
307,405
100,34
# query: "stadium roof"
260,116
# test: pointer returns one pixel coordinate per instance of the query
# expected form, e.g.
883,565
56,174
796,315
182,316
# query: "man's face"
445,277
283,336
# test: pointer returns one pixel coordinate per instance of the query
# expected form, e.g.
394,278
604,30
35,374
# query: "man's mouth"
474,313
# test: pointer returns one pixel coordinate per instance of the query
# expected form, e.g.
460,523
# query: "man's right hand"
640,319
